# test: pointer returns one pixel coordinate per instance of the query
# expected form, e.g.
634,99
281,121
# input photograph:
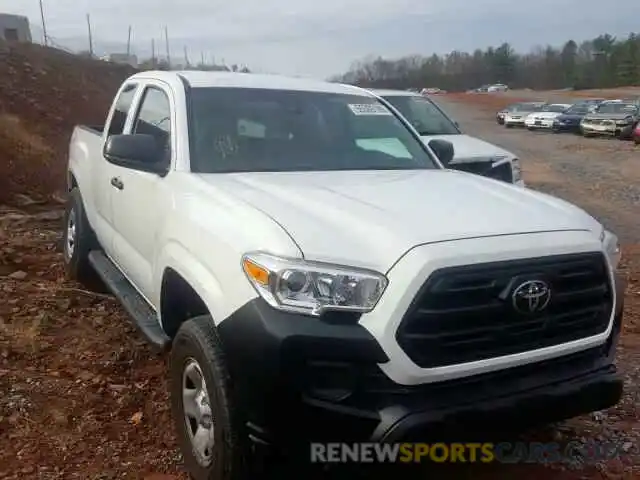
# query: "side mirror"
443,150
138,151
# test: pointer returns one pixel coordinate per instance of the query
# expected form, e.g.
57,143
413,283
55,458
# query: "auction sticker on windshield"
369,109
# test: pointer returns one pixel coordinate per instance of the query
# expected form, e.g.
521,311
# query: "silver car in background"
516,117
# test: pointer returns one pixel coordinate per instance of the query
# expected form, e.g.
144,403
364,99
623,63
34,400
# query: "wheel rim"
70,243
197,412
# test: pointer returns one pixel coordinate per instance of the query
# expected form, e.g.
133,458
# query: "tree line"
602,62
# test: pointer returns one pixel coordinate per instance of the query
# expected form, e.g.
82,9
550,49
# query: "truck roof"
252,80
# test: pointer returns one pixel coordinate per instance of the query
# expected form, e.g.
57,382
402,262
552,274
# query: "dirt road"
82,398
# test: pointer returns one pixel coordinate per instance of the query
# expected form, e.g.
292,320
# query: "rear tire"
78,239
197,356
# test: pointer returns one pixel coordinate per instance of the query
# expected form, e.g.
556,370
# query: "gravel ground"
601,175
81,397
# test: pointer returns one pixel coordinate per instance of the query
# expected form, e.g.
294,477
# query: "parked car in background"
569,121
430,91
509,108
497,87
470,154
591,102
613,118
545,117
516,117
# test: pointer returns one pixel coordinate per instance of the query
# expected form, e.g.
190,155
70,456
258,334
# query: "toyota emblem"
532,296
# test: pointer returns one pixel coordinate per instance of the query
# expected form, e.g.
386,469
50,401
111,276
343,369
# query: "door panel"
137,206
103,191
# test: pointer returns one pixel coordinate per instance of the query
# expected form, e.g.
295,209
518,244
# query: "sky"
322,38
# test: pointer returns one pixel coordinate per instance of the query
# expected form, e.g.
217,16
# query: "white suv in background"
470,154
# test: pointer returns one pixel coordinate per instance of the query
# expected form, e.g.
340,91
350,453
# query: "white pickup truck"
471,154
313,281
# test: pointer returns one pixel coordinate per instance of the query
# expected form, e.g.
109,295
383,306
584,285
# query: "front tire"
78,240
209,426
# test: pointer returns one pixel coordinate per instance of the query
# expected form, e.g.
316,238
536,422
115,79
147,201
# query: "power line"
166,38
90,37
44,25
129,42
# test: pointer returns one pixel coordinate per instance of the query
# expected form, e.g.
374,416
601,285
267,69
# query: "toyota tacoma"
316,274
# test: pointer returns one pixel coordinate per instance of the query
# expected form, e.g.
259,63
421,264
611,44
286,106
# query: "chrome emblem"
531,297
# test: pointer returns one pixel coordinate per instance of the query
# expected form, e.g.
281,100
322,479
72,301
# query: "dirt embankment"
44,92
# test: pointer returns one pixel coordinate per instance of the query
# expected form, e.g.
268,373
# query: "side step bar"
144,317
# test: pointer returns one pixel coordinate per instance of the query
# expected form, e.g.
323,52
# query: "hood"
370,218
519,113
570,117
607,116
469,149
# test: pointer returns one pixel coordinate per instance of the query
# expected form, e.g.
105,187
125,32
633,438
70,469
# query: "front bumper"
518,122
300,379
546,123
566,127
609,129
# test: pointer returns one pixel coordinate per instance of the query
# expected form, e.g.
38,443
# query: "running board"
143,316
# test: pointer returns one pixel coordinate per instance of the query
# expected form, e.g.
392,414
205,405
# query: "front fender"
220,301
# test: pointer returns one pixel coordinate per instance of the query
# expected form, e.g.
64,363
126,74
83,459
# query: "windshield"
617,108
557,108
424,115
262,130
581,109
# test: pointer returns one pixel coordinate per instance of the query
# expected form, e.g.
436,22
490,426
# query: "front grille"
465,314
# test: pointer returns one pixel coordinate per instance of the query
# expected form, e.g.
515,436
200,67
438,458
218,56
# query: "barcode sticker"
368,109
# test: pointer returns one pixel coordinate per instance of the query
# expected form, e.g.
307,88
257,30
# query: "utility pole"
129,42
44,26
186,57
90,37
166,38
202,59
153,52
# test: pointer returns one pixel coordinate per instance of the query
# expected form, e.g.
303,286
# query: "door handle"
116,182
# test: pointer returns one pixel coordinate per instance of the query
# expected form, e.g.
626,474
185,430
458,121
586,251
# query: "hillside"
43,93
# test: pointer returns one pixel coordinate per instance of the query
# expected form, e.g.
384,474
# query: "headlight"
626,121
312,288
611,247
